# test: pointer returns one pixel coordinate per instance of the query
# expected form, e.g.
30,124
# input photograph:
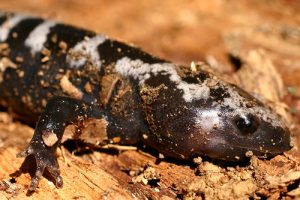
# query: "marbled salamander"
115,93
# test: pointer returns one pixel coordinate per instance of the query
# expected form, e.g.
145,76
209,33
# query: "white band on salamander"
37,38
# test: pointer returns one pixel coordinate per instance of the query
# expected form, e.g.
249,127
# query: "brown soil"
260,37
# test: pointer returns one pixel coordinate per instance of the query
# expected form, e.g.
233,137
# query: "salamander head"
229,124
191,112
237,125
212,118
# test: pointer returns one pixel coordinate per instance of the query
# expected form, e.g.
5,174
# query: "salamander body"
111,92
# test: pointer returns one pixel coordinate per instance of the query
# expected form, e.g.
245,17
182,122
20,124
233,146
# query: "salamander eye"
247,124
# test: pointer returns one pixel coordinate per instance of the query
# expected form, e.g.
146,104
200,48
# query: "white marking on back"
141,71
9,24
86,50
37,38
207,120
239,106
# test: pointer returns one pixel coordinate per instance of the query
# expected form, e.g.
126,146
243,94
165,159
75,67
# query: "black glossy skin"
152,111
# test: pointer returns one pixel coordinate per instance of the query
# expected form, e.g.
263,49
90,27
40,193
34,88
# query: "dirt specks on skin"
49,138
68,87
91,131
149,94
108,84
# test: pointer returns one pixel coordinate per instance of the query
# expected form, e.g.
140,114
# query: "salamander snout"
264,136
234,135
215,119
240,126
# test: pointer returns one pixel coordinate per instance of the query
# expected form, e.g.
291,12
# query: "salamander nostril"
247,124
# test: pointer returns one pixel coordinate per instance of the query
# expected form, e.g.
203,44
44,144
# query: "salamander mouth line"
226,145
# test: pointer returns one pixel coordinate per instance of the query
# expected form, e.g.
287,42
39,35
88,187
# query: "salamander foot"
45,159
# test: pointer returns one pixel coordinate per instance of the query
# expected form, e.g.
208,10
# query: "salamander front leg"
59,112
